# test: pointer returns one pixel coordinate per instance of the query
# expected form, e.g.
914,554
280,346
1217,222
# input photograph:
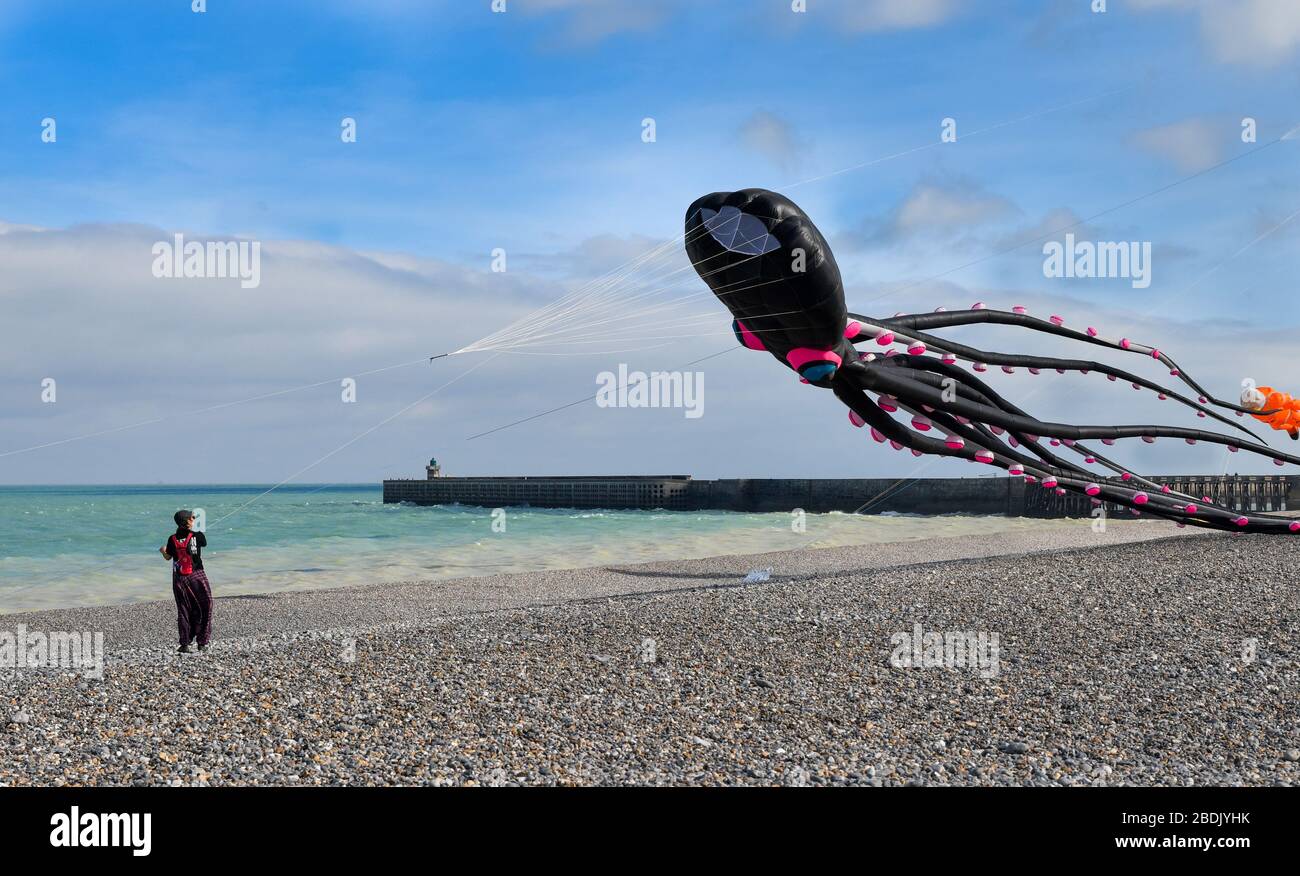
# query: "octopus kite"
767,262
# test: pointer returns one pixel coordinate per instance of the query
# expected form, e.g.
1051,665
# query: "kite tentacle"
1001,317
1006,359
881,380
873,415
1161,505
934,372
990,396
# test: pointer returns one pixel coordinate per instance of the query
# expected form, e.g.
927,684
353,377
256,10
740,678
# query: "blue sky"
522,131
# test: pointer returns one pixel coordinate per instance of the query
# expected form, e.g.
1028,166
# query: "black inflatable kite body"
767,262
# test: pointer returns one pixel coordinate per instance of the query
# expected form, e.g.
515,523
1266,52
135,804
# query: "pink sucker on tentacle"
866,357
1137,386
1055,442
1060,491
1155,354
1203,400
1231,449
801,356
1241,521
1111,377
1011,439
927,409
941,309
948,359
1034,371
1206,499
853,329
1007,369
1092,332
954,442
1060,370
1032,439
1294,526
1149,439
889,353
1126,476
1165,489
748,338
894,444
997,430
984,456
980,367
1020,309
1050,482
1191,509
916,348
1123,342
1135,512
1090,459
1109,442
1190,440
1173,372
921,423
1201,414
1095,501
960,419
1162,397
888,404
1056,320
856,420
877,435
884,339
1030,479
1279,462
1016,470
916,453
978,305
1093,489
1068,442
1141,498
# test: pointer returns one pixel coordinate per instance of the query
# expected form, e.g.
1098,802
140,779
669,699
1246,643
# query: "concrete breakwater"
982,495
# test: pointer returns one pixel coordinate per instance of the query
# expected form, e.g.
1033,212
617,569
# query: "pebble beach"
1144,655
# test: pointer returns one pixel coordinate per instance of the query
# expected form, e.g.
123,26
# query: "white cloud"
934,209
79,304
1192,144
1256,33
886,15
590,21
771,136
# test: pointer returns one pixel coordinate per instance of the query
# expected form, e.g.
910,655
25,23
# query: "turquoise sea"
94,545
